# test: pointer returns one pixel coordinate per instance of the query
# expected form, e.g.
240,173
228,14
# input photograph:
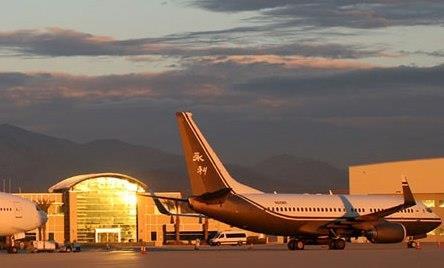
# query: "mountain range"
35,161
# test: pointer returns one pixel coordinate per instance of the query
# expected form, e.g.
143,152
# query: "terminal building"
111,208
425,176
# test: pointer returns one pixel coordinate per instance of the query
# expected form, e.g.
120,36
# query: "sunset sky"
345,81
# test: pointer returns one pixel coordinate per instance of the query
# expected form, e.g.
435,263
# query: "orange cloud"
296,61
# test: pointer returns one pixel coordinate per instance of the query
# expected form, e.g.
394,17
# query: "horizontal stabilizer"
162,209
164,197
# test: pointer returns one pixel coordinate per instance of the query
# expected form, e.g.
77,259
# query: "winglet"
409,200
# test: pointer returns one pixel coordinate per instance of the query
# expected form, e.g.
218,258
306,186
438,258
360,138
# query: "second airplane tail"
205,171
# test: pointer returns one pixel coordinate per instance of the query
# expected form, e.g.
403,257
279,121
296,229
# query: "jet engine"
387,232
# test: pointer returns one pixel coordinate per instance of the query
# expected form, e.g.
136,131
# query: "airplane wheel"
12,250
412,244
339,243
300,244
218,244
291,244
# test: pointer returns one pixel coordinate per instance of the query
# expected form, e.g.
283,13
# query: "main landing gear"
412,244
295,244
336,243
10,245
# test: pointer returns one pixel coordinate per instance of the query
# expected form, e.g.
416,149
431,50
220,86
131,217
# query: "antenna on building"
4,185
9,185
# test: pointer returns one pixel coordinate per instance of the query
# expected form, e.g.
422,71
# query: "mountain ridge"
36,161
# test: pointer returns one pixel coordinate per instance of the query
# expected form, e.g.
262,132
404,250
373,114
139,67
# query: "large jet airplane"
305,218
17,216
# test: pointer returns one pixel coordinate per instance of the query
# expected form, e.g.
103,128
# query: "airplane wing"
361,221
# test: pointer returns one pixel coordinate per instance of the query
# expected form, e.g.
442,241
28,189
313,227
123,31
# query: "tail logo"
197,157
201,170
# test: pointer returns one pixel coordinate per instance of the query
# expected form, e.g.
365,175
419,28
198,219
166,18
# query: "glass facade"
429,203
106,203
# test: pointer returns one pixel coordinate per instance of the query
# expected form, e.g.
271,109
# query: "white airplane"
17,216
305,218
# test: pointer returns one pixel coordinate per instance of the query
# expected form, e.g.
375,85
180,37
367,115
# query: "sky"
343,81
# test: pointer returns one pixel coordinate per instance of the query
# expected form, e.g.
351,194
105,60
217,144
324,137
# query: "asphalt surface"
358,256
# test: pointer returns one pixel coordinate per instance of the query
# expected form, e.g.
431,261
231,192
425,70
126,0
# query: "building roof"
68,183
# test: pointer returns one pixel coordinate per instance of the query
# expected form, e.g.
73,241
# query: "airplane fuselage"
18,215
310,215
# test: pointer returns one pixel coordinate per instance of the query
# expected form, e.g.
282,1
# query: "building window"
441,203
430,203
51,237
106,203
153,236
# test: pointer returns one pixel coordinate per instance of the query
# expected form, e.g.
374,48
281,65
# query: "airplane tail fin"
206,172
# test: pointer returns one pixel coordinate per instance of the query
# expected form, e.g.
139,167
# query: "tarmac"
270,256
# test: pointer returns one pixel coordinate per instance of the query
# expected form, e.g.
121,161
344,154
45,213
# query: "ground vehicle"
229,238
70,247
43,246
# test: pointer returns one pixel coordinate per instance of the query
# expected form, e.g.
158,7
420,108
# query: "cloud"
333,114
315,92
346,13
296,62
54,42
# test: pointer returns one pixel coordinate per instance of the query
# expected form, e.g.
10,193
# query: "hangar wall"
425,176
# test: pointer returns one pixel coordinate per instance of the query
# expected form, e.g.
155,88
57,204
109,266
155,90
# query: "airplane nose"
43,217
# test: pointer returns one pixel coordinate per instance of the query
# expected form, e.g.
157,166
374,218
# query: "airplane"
307,219
17,216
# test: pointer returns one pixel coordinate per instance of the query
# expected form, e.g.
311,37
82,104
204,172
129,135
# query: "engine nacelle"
387,232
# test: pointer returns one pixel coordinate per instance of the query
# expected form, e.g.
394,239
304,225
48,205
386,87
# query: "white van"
229,238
